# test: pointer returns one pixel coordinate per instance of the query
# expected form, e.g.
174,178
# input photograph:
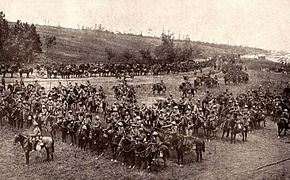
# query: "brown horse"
26,143
238,128
126,147
282,124
185,143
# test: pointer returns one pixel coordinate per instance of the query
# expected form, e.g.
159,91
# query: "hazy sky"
259,23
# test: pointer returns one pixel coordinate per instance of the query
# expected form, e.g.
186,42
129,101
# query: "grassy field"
87,46
222,159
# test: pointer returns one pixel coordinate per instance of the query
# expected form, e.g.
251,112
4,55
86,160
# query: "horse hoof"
278,137
123,164
112,160
116,161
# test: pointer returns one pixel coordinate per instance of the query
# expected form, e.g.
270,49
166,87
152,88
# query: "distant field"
87,46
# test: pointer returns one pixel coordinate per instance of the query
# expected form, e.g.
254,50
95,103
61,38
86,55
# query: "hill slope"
75,46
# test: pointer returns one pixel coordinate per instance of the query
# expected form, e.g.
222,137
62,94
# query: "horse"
127,148
27,71
113,140
163,152
282,124
25,141
186,89
72,128
225,126
238,128
83,137
199,148
98,140
160,88
185,143
143,153
176,141
197,123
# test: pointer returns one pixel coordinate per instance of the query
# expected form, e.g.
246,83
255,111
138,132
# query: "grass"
87,46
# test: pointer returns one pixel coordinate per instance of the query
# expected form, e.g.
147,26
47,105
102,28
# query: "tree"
4,33
165,52
22,41
196,51
110,53
50,41
128,56
146,56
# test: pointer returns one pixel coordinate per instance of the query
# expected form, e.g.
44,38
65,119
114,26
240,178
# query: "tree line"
19,42
168,51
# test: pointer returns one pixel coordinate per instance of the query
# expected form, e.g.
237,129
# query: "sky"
256,23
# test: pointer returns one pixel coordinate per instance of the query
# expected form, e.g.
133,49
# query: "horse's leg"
279,130
51,154
235,137
181,157
178,157
200,153
27,157
243,134
47,154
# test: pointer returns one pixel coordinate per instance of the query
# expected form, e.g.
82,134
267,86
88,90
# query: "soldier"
98,122
155,142
35,136
174,127
141,136
285,116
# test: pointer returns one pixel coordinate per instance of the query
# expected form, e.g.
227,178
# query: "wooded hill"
88,46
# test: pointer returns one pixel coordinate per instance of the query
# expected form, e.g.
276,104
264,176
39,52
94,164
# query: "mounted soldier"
35,136
155,142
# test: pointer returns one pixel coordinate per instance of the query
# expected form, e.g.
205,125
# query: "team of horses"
113,69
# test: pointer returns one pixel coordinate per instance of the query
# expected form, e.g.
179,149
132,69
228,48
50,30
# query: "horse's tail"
165,150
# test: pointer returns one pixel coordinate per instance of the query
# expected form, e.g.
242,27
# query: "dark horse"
183,143
47,143
127,148
186,89
113,141
160,88
143,154
238,128
282,124
99,140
